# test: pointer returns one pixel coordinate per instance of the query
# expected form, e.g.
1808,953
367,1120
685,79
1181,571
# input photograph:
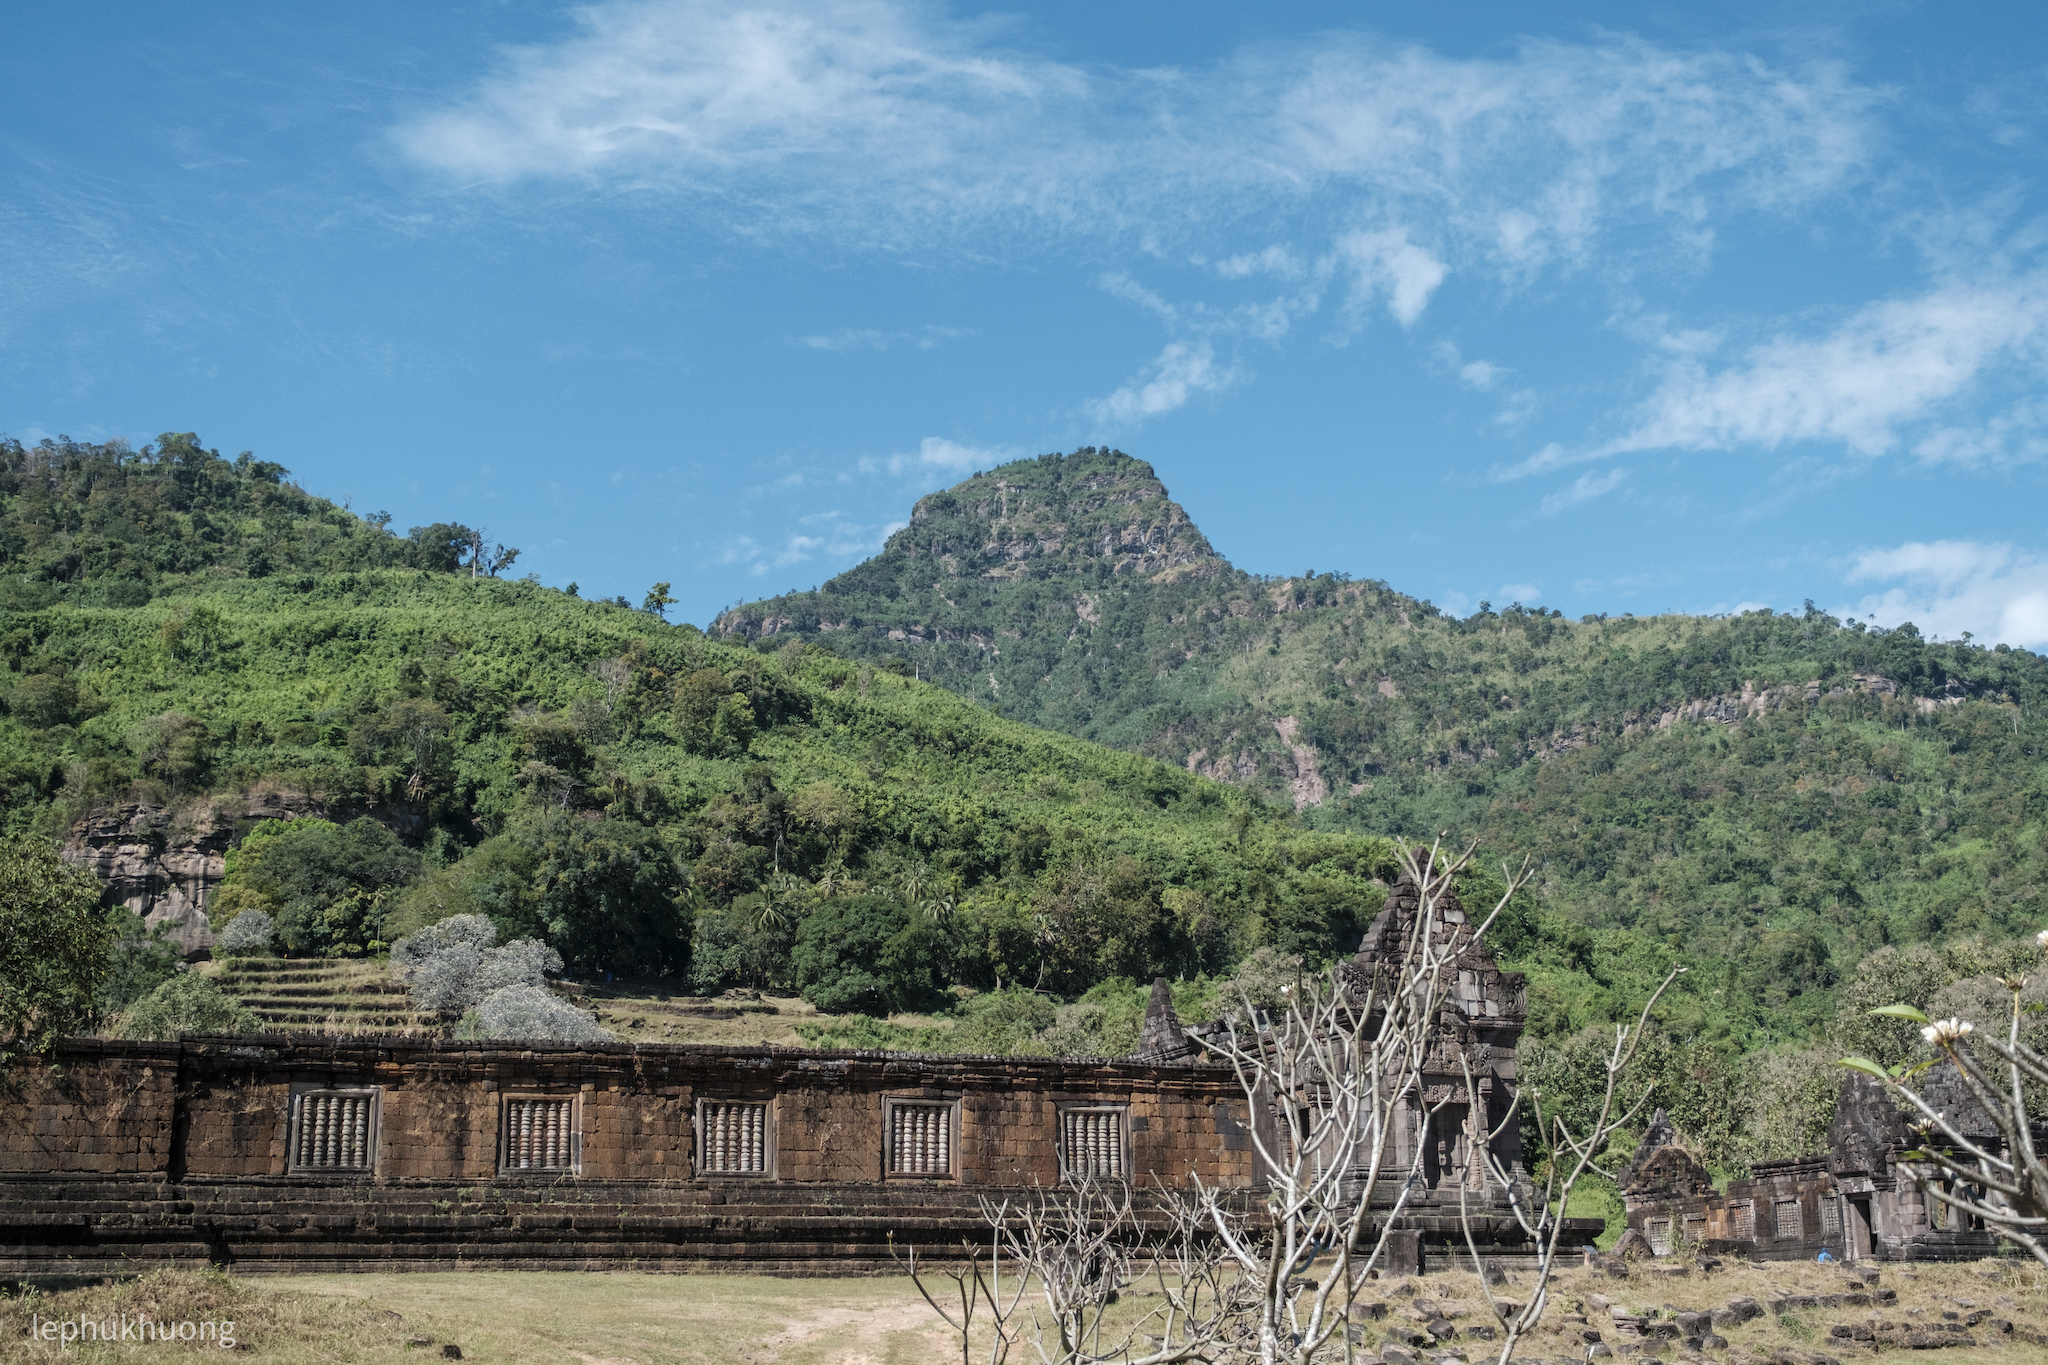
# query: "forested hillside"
791,806
647,800
1771,796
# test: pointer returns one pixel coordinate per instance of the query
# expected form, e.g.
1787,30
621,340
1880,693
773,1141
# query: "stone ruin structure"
299,1152
1853,1201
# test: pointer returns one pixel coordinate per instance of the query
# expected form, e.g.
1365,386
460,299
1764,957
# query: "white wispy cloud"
1993,590
1896,374
1890,364
1585,488
1122,286
869,120
1387,264
1482,374
1180,372
1274,260
1374,171
830,534
869,339
852,338
938,453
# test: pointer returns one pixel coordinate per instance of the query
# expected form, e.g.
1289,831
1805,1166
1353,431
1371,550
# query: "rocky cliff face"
161,864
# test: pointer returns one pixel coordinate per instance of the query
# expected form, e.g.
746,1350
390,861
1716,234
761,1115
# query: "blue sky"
1609,308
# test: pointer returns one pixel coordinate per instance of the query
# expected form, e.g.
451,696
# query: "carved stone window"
1093,1143
1742,1221
1694,1228
735,1137
921,1136
334,1130
1830,1218
1791,1219
1658,1230
541,1133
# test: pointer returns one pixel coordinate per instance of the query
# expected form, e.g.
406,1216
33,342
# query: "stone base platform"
77,1229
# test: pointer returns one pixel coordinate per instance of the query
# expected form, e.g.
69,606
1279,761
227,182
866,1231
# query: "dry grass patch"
624,1319
531,1319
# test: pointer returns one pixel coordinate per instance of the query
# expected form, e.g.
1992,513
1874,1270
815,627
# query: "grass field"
563,1319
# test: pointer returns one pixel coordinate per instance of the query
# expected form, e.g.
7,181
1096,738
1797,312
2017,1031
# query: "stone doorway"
1856,1232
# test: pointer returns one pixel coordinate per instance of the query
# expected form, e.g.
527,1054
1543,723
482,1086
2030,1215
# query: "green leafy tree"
658,601
869,954
141,961
608,897
330,883
55,943
439,548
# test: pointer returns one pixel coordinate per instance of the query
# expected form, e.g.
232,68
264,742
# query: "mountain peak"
1083,512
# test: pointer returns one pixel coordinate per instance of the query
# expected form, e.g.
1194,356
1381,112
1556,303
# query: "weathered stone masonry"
238,1151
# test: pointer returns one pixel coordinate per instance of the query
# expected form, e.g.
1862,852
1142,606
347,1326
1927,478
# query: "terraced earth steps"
344,997
651,1012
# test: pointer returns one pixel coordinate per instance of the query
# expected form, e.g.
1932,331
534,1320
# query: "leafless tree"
1272,1274
1059,1263
2003,1184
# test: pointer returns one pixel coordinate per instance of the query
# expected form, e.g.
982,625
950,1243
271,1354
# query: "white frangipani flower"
1947,1032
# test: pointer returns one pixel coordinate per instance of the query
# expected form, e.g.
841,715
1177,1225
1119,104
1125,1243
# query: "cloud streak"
1181,371
1585,488
869,121
1887,366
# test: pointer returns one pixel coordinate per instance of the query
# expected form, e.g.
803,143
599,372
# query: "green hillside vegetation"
1901,800
645,799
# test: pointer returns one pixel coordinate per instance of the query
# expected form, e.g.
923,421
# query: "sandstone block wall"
220,1109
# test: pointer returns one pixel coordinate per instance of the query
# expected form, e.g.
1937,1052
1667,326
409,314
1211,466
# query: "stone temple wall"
280,1153
1854,1201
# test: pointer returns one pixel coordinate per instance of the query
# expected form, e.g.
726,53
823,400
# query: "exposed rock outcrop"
1306,782
161,864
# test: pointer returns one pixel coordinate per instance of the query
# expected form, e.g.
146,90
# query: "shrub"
457,931
248,934
529,1014
452,965
187,1003
1106,1022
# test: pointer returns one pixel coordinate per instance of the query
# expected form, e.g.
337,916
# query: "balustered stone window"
921,1135
1658,1230
1742,1221
334,1131
1094,1142
1791,1219
735,1137
541,1133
